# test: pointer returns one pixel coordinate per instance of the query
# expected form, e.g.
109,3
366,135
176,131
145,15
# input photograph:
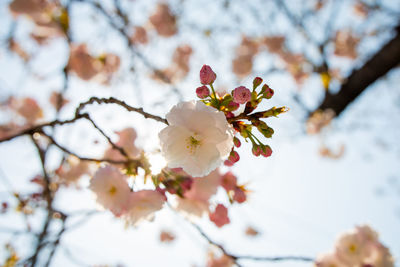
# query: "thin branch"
248,257
113,100
39,127
67,151
278,258
49,199
56,243
78,115
210,241
114,146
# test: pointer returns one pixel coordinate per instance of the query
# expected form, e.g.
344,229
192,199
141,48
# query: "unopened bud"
229,115
241,95
234,156
202,92
264,129
267,92
232,106
207,75
256,82
256,150
236,142
266,151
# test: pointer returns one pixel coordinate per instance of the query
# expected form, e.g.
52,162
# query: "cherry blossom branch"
56,242
78,115
113,100
67,151
257,115
248,257
210,241
114,146
49,199
276,259
39,127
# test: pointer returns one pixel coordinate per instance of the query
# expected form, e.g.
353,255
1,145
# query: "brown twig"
49,199
113,100
236,258
39,127
78,115
67,151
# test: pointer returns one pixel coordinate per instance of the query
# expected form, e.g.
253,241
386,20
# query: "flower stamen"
192,144
112,190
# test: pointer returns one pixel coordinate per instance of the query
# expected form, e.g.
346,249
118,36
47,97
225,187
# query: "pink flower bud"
256,82
267,92
234,156
236,142
229,115
266,151
256,150
232,106
207,75
239,195
202,92
241,95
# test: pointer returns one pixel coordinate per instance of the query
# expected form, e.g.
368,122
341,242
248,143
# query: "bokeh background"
319,181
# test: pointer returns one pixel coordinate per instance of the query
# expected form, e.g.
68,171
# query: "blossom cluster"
193,194
113,192
358,247
229,103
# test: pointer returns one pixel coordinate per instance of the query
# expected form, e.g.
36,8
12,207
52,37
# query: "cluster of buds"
229,103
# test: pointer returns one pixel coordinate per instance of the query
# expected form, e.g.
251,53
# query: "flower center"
112,190
192,144
352,248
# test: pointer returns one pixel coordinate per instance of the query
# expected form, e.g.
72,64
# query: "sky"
299,201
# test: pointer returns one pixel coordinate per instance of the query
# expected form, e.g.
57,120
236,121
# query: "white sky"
300,201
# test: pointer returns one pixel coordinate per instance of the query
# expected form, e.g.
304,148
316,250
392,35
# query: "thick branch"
387,58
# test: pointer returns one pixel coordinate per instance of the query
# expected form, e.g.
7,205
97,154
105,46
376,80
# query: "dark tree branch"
113,100
47,194
67,151
387,58
236,258
78,115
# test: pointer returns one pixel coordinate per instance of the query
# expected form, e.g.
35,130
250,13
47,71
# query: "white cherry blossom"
197,139
111,189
